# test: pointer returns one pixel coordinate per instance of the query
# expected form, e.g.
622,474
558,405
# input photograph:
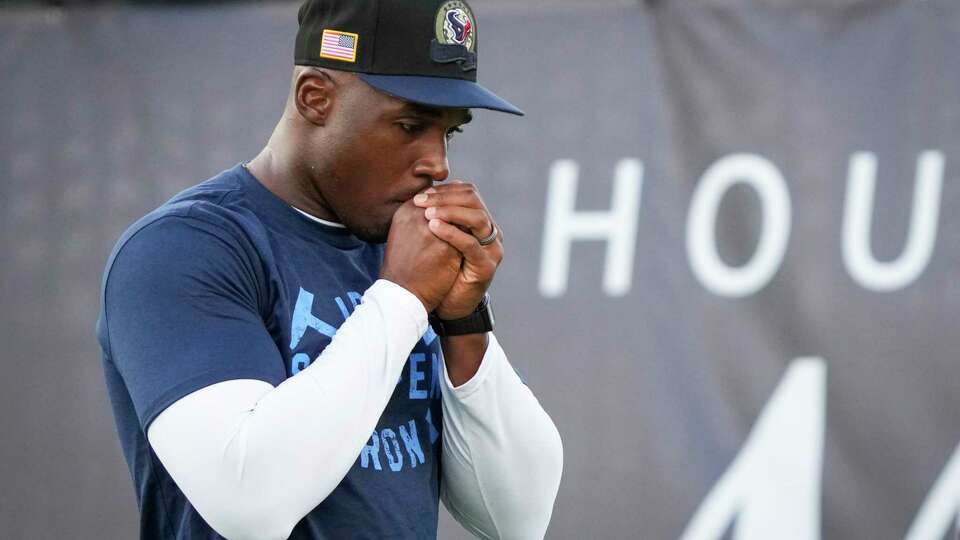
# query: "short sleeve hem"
191,385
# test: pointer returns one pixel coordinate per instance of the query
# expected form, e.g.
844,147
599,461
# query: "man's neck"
283,178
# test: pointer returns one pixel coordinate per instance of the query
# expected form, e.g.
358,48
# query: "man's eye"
452,132
411,128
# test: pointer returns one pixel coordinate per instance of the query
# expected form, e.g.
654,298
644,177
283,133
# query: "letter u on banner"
857,256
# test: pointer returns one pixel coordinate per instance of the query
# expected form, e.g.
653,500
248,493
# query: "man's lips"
412,194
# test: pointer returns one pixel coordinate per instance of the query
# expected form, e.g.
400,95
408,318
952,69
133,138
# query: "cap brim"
440,92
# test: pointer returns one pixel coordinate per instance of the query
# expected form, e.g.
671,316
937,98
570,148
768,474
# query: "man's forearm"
463,355
253,459
502,454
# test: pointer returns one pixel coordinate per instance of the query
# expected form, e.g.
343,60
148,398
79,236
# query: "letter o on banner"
764,177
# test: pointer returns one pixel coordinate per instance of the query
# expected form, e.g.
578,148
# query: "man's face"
385,151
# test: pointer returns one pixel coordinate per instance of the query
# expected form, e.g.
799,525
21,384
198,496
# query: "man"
269,358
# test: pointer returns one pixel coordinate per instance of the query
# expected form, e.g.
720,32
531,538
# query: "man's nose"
433,163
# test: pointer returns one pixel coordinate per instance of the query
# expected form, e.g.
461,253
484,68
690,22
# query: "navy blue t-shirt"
226,281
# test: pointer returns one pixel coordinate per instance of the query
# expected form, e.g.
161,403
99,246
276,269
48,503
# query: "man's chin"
372,234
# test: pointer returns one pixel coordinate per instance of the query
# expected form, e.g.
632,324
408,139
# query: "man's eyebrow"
422,110
433,112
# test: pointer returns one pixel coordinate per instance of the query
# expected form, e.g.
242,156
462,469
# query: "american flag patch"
339,45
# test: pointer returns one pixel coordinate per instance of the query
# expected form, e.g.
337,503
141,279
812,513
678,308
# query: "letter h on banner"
563,225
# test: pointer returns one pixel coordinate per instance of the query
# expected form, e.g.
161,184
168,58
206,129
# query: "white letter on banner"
941,509
774,483
563,225
857,256
706,263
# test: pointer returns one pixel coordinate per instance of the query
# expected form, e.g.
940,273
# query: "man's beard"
376,234
372,233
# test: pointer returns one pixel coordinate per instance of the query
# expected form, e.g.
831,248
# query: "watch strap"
478,322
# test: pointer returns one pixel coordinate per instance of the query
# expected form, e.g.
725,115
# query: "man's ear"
314,95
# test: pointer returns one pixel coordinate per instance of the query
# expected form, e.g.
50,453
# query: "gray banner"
731,274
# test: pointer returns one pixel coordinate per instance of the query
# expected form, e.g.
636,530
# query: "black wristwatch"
478,322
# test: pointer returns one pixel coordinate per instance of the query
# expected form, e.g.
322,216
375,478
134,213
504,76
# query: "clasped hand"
434,250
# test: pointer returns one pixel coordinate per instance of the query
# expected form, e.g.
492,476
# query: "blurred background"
732,246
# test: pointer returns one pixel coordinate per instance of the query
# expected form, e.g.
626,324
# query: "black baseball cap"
424,51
